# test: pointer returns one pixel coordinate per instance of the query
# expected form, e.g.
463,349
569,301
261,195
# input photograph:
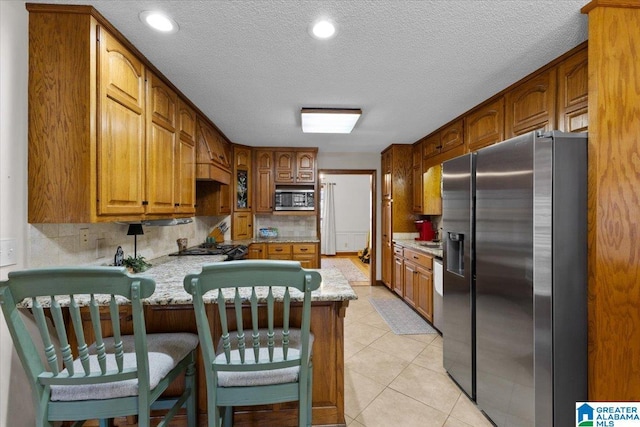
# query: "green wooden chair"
113,376
273,363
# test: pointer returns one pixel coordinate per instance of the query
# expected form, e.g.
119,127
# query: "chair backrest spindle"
49,349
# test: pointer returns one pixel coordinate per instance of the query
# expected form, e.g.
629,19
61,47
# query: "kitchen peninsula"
170,309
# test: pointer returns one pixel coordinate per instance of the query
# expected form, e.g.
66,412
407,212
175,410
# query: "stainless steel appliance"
294,199
515,277
233,252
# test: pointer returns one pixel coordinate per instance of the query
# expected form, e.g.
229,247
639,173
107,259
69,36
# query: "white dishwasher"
438,319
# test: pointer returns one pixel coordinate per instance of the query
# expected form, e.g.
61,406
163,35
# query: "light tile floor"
398,380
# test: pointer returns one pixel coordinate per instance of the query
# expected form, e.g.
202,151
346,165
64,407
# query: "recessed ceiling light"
159,21
329,120
323,29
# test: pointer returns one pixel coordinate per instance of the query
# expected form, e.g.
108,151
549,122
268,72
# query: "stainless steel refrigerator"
515,277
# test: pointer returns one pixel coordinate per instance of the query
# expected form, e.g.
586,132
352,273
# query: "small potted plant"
137,264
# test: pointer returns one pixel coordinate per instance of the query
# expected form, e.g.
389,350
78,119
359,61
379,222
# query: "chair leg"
309,396
192,411
227,418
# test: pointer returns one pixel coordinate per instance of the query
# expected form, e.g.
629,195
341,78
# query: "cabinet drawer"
279,249
423,260
398,250
304,248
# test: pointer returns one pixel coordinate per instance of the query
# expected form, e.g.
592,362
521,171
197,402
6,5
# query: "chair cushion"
261,377
165,352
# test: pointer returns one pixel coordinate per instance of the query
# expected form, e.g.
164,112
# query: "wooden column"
614,199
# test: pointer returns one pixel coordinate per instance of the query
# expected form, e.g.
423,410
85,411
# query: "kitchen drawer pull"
278,249
304,249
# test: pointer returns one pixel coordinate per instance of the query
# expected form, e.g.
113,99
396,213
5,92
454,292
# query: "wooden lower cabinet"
413,279
327,326
397,282
242,226
257,251
306,253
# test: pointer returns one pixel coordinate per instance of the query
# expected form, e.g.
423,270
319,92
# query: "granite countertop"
413,244
169,272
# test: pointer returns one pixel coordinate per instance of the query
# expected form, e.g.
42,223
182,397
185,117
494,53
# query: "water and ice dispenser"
455,253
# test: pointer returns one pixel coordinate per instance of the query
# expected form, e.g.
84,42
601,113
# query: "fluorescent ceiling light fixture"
329,120
322,29
159,21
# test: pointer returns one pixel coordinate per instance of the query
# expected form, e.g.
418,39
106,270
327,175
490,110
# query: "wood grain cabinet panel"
417,178
257,251
397,206
531,105
432,194
264,188
305,167
121,148
573,91
452,136
295,167
242,226
185,161
431,146
161,150
284,167
398,272
485,125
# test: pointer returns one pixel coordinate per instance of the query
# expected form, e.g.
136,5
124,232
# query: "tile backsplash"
288,225
60,244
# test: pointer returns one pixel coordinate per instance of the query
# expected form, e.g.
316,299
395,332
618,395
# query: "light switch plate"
8,254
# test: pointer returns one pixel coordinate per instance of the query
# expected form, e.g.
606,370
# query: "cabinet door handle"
278,250
304,249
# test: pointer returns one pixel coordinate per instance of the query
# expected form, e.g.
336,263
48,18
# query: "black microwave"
294,199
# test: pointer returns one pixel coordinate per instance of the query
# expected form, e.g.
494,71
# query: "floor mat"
346,267
400,317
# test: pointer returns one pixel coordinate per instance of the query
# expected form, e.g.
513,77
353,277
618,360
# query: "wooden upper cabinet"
264,188
186,122
485,125
185,160
386,163
305,167
295,167
431,146
451,136
284,167
162,106
122,143
431,193
417,178
242,177
531,105
573,91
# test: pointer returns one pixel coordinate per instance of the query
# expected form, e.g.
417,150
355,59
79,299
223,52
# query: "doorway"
355,201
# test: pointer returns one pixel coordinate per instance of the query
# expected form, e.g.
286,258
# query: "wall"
14,391
352,210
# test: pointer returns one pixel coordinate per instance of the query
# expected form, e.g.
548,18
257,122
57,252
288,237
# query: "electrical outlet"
8,254
84,238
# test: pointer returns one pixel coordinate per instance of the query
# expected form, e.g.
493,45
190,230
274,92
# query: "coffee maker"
425,230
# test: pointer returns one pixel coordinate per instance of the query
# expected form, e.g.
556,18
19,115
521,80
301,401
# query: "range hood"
213,154
166,222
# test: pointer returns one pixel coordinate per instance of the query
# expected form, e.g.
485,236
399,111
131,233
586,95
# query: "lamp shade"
135,230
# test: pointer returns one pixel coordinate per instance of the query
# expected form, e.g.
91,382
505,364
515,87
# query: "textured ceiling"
410,65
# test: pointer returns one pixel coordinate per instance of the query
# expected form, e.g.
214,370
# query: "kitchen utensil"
182,244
